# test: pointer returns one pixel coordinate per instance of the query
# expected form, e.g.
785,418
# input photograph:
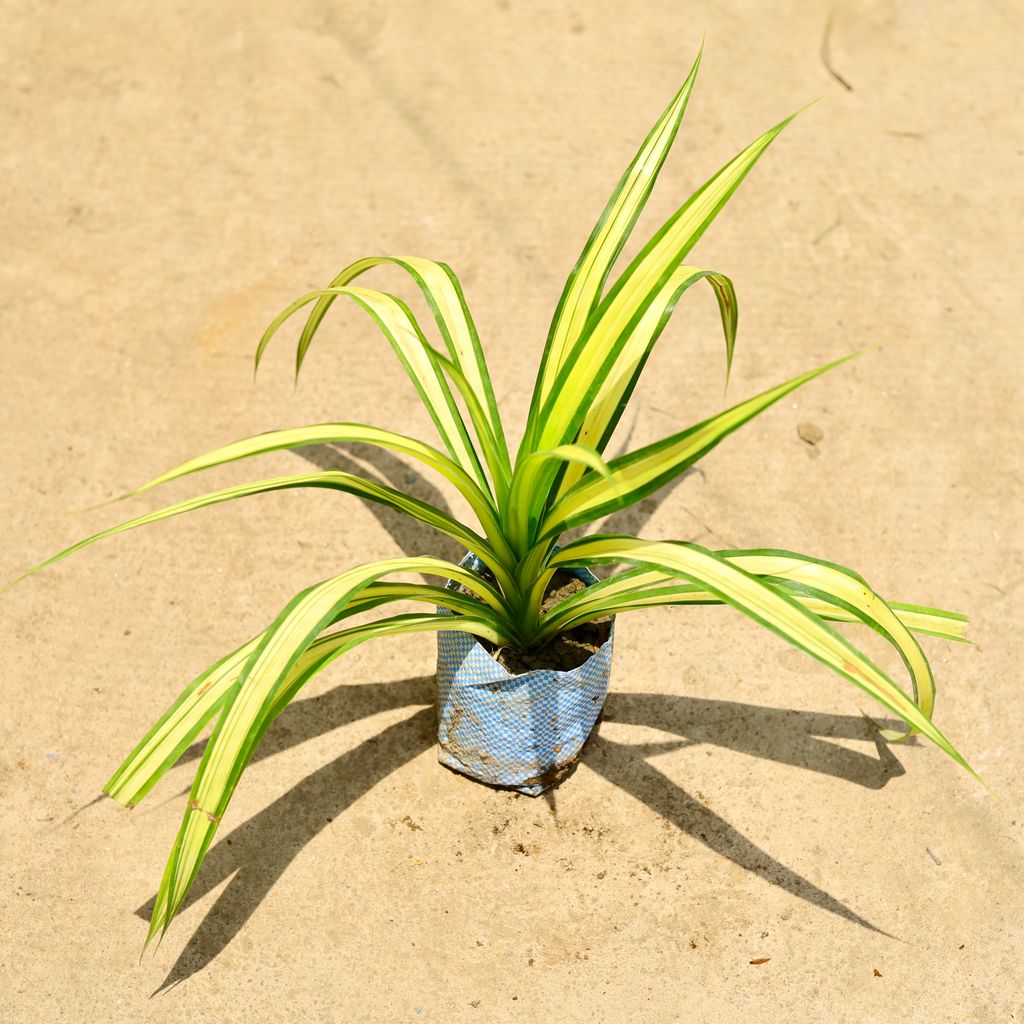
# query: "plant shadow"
796,738
255,854
411,536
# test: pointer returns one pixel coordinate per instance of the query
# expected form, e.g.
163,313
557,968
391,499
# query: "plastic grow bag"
520,731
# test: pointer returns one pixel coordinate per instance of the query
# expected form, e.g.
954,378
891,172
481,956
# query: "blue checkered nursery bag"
522,731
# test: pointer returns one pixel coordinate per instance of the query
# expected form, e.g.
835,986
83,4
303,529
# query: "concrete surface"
173,174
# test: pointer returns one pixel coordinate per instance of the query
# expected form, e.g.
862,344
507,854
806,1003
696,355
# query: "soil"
567,650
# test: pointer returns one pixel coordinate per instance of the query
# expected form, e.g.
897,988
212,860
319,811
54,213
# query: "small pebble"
810,433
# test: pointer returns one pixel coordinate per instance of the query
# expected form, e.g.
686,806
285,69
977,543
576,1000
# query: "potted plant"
525,630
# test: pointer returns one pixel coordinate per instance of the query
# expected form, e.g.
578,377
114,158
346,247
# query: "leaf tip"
107,501
17,579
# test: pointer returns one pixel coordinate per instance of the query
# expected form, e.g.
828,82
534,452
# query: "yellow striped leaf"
770,607
329,479
342,433
583,370
182,722
607,407
583,287
414,352
642,472
256,698
443,293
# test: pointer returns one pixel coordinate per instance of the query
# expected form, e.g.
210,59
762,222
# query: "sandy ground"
173,174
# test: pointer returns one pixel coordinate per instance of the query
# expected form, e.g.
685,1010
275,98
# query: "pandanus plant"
600,338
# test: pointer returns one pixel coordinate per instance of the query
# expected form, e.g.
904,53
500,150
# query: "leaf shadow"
256,853
796,738
411,536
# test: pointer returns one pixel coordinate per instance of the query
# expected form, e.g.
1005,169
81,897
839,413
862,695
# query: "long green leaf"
610,402
586,281
582,373
343,433
642,472
312,660
176,728
772,608
257,697
443,293
182,722
418,358
494,449
842,587
332,480
523,509
641,588
827,590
